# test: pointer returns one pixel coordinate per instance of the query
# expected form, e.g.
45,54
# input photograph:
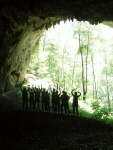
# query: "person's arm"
79,94
72,92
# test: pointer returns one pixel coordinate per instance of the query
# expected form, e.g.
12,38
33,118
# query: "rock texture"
22,22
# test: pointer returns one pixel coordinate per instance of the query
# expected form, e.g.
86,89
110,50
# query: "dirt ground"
44,131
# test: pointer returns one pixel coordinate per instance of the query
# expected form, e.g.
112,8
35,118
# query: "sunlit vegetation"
78,55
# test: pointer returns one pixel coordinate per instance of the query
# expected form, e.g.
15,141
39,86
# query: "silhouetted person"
64,102
43,96
76,95
47,102
37,96
24,98
32,99
53,99
57,102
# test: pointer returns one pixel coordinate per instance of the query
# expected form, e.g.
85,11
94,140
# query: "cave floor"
43,131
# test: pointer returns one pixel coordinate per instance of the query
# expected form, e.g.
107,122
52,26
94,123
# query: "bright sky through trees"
63,32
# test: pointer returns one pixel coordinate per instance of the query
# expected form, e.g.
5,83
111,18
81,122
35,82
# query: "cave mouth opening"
58,51
75,55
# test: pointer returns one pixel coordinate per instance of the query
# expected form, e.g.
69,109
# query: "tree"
94,79
84,39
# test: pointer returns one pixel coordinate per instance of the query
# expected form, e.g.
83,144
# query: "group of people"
51,99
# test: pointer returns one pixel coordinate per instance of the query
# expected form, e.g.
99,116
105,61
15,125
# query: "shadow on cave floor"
43,131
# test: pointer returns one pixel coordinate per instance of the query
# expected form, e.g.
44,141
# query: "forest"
78,55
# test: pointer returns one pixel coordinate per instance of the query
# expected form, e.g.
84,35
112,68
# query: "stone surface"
22,22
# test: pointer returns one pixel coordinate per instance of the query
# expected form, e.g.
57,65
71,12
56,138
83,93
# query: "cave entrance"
75,55
64,42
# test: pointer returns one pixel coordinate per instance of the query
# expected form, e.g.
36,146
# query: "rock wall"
16,50
16,55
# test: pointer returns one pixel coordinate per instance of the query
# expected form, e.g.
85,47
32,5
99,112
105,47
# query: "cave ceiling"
22,23
91,10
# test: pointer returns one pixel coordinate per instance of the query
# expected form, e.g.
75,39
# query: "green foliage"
19,93
108,120
34,65
99,111
103,118
84,113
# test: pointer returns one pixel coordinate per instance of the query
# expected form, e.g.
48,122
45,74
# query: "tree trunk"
44,41
94,79
73,71
107,84
82,59
63,70
87,52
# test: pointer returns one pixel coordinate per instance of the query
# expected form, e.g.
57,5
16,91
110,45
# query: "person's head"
75,93
54,89
64,92
24,88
